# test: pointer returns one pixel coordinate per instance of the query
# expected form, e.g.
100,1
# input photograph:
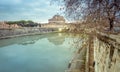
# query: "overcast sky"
36,10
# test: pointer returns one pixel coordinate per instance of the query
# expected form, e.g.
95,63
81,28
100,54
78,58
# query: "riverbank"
10,33
79,61
102,53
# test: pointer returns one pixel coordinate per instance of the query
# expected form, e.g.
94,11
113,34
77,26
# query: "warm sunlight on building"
57,19
60,29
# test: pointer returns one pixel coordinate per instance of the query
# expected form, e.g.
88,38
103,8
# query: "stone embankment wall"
24,31
102,54
106,54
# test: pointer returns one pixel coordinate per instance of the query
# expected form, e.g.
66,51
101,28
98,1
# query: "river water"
39,53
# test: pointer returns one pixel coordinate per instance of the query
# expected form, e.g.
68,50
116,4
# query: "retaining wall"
24,31
106,54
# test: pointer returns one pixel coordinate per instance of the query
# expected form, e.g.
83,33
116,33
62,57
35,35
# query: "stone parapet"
106,54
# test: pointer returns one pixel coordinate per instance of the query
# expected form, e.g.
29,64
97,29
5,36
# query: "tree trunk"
111,22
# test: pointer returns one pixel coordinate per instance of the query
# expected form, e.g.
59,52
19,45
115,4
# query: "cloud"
36,10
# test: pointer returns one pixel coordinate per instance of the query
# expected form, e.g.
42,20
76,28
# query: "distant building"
14,26
54,25
3,25
57,19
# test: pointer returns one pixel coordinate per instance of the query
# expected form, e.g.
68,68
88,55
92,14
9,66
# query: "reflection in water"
55,38
38,53
20,40
28,42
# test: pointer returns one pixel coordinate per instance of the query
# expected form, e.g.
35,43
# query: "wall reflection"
25,40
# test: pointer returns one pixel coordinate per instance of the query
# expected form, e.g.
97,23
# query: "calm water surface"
38,53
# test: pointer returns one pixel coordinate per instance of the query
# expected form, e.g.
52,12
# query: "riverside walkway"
101,53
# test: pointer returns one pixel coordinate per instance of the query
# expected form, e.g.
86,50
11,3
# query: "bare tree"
95,10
